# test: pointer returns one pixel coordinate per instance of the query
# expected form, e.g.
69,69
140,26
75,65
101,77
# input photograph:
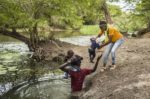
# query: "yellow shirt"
116,35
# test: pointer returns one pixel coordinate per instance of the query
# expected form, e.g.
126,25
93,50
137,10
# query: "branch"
15,35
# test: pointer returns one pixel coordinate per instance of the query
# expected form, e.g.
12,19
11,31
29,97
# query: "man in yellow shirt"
113,38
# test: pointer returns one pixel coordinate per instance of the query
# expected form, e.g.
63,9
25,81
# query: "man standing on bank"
113,40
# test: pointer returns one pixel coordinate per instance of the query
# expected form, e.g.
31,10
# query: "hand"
101,46
69,61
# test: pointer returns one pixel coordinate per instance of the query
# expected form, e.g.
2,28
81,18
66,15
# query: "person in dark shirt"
77,77
70,55
92,49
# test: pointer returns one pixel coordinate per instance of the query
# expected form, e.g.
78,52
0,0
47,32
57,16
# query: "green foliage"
115,10
68,14
128,22
143,9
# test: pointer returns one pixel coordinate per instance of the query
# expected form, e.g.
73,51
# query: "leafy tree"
28,14
143,10
31,16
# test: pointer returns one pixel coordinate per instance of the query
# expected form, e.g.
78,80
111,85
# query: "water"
46,89
80,40
22,78
16,69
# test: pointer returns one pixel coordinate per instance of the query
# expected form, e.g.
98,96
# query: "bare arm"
99,35
96,64
62,67
106,43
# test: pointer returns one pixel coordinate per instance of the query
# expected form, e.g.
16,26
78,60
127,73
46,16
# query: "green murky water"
23,78
16,68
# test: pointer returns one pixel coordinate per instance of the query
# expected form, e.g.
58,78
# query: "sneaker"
103,69
112,67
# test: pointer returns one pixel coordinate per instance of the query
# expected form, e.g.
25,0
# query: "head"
70,53
103,25
77,61
93,39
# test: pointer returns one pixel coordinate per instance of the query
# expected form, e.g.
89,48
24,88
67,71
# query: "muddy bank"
129,80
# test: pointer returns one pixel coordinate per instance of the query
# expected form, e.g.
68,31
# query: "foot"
112,67
103,69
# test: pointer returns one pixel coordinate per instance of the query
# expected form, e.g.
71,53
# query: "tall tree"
143,10
105,9
27,14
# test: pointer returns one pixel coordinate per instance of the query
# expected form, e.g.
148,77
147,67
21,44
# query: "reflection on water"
13,56
77,40
7,39
50,89
81,40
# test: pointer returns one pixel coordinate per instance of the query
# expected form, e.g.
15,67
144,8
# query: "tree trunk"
148,26
34,38
17,36
106,13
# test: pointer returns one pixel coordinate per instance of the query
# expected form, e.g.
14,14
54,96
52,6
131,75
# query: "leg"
90,54
94,54
106,53
117,44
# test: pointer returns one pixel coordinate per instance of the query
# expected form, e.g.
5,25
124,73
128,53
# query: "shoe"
103,69
112,67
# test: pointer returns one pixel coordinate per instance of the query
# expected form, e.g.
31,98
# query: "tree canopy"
33,16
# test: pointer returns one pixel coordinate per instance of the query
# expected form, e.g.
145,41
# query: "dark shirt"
94,45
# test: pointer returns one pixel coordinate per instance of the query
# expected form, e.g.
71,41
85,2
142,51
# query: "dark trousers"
92,54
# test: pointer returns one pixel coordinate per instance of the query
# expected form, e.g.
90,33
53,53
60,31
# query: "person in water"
70,55
78,75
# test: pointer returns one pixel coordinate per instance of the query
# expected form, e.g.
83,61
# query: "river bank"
129,80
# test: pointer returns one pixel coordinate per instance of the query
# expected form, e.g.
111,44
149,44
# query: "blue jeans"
111,48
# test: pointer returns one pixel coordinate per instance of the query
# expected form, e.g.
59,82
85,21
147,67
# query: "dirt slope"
131,78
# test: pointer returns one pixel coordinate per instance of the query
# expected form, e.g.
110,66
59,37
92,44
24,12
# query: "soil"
130,79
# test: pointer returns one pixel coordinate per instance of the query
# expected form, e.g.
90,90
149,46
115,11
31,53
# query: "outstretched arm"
99,35
109,41
62,67
96,64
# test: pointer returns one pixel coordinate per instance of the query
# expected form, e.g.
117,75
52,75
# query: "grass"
89,29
